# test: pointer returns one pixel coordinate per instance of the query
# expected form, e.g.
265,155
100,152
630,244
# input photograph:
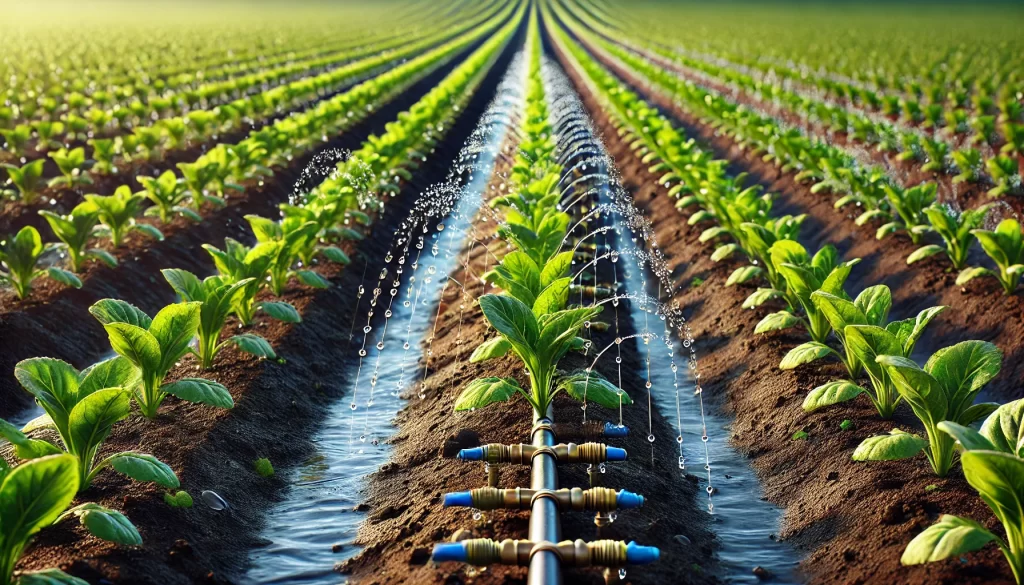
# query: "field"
511,291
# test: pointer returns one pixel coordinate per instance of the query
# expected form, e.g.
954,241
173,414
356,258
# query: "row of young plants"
932,149
856,331
223,168
860,65
532,318
152,139
82,407
914,211
73,82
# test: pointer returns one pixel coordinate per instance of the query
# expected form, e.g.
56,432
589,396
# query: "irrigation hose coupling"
523,454
598,499
589,430
599,553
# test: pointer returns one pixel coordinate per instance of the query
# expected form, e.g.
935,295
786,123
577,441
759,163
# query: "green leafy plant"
803,276
27,179
956,229
83,408
944,390
166,192
181,499
910,205
296,238
117,213
20,257
153,346
72,167
239,262
75,230
968,162
993,466
36,494
198,178
1005,246
263,467
218,294
1005,173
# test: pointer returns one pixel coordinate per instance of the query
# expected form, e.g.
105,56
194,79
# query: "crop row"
100,75
206,180
989,155
150,144
855,331
82,407
911,210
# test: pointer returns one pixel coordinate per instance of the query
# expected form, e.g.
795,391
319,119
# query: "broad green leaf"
511,318
173,328
920,322
201,391
144,467
968,274
335,254
34,494
187,285
744,274
108,311
254,344
25,447
999,479
116,372
777,321
966,366
136,344
92,418
950,537
107,524
103,256
555,268
805,353
971,439
896,445
874,302
867,342
54,383
594,388
724,251
312,279
48,577
978,411
65,277
759,297
924,252
42,421
553,298
831,393
484,391
839,312
281,311
919,388
1004,428
490,349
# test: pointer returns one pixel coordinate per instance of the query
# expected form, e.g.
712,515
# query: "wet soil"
54,320
406,516
277,408
852,519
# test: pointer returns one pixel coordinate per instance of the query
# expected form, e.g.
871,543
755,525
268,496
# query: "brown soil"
406,517
852,519
54,320
277,409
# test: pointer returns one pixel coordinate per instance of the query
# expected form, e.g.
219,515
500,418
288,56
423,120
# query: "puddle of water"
317,512
742,520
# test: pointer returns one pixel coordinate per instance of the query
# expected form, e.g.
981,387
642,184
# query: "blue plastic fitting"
635,554
456,551
458,499
615,454
615,431
624,500
474,454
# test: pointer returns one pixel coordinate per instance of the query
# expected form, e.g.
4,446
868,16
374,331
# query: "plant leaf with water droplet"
484,391
776,322
744,274
593,388
759,297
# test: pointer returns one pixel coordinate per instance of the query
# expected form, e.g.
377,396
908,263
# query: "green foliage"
20,258
75,230
263,467
153,346
1005,246
117,213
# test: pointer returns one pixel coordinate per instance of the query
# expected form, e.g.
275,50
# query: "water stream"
744,522
317,512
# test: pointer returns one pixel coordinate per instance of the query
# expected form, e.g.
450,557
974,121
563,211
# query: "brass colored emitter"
575,553
595,499
523,454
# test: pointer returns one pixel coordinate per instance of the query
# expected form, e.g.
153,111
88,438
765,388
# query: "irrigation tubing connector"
589,430
523,454
482,552
598,499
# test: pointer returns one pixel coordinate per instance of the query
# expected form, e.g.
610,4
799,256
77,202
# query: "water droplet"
213,500
650,438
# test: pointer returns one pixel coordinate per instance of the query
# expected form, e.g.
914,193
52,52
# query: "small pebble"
763,573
